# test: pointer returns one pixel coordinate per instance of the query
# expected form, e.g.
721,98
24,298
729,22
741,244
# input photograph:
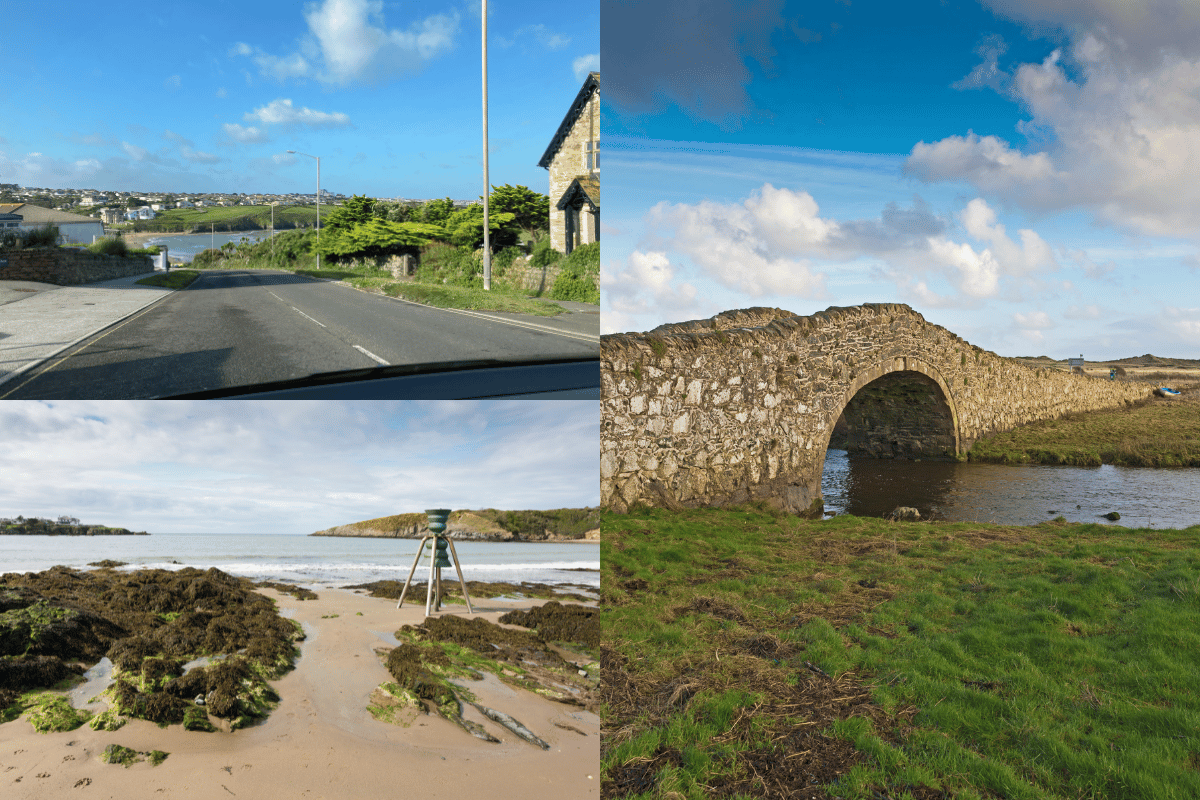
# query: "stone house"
573,160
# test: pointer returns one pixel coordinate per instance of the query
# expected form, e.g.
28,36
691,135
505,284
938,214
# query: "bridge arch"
900,408
741,406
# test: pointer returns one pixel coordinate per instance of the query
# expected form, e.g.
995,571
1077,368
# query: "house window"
591,156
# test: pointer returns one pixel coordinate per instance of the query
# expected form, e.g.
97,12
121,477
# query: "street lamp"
318,158
487,243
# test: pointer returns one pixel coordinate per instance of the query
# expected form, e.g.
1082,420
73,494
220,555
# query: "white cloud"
1091,311
744,246
1034,320
647,284
1118,135
172,82
1032,255
239,468
197,156
585,64
773,241
977,275
243,134
282,112
221,92
540,33
987,74
134,152
350,39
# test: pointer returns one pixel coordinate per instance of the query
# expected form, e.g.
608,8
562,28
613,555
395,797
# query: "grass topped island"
65,526
747,653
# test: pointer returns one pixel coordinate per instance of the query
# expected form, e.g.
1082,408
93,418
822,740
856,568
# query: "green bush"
544,254
503,260
450,265
109,246
47,235
577,280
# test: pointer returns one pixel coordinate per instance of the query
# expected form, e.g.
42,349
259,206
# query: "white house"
72,228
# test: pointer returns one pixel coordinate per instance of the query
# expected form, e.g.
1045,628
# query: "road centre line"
293,308
370,355
587,337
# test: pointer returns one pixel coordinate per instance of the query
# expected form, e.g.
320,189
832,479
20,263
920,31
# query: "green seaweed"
51,712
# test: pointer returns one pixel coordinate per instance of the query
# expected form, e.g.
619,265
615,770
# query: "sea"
186,246
312,561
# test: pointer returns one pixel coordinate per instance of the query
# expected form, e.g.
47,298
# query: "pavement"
40,320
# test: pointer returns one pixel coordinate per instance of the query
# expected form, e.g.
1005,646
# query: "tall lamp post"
487,241
318,158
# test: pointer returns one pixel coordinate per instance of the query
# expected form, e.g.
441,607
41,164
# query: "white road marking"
370,355
306,316
587,337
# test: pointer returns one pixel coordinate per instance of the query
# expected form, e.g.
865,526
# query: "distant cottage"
72,228
573,159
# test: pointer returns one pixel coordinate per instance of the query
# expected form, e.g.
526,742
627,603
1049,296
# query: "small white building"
72,228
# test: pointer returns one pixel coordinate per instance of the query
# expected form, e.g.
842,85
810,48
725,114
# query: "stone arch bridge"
742,406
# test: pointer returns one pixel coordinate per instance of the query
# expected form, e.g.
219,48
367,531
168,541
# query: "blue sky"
1028,178
291,467
172,96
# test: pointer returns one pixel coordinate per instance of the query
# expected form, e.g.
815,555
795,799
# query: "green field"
1153,433
230,218
751,654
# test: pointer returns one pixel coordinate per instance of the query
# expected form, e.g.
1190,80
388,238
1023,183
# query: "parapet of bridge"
741,406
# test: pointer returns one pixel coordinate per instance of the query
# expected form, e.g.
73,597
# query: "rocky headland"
487,525
39,527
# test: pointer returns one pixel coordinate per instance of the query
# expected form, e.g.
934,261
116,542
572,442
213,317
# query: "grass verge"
177,279
751,654
1153,433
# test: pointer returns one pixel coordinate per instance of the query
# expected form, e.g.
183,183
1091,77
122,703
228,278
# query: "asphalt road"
246,327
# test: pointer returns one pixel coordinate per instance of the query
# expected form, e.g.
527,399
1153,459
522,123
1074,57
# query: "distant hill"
487,524
43,527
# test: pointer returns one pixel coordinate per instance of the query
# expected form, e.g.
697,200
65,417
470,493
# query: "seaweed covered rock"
487,639
148,623
19,673
407,663
556,622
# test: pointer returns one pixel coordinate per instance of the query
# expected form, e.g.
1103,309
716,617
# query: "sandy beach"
321,742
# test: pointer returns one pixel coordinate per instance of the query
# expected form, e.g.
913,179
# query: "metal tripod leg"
461,582
420,550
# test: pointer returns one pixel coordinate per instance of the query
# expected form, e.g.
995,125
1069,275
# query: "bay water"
312,561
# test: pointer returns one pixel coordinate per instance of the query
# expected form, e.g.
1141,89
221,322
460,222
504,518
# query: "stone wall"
69,267
740,407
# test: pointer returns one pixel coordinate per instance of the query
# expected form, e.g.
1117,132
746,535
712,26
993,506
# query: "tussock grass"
748,653
176,279
1152,433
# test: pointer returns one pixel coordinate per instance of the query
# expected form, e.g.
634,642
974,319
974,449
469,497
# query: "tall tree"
530,210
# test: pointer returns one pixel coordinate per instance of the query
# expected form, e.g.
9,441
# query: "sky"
291,467
1025,174
175,97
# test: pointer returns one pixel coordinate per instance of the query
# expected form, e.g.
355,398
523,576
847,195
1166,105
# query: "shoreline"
321,739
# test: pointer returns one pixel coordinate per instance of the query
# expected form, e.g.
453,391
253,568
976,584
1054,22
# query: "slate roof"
586,185
32,213
592,84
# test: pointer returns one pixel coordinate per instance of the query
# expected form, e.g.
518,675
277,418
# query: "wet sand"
321,742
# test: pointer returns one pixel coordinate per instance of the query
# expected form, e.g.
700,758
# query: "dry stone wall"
740,407
69,267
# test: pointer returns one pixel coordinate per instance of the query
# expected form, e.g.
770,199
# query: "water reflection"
1012,495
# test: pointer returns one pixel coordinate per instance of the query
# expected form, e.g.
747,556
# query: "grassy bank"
448,277
1153,433
750,654
176,279
226,218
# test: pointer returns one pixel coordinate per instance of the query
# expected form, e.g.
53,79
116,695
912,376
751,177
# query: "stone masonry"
740,407
568,160
69,267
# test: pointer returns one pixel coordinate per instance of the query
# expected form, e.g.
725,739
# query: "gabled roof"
592,84
38,214
584,187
